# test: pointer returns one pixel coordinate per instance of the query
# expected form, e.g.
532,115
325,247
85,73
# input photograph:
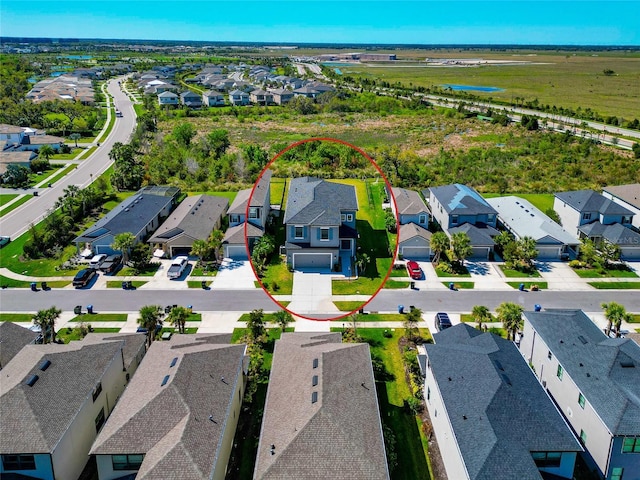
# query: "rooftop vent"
44,365
173,362
315,363
314,381
582,339
499,365
506,379
314,397
32,380
627,364
164,380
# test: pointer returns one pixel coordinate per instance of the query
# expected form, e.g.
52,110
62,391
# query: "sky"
542,22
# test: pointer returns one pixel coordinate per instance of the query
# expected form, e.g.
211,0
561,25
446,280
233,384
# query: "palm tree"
480,314
201,249
46,151
76,137
510,314
53,314
150,316
123,242
283,318
178,317
46,320
528,250
439,243
215,242
615,315
460,247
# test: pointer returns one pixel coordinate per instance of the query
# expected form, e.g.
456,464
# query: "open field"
563,79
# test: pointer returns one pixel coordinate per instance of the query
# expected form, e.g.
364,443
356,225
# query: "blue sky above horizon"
541,22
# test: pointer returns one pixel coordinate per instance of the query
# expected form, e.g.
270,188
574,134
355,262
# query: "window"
586,216
343,218
100,420
299,232
18,462
97,391
126,462
235,218
349,217
616,473
254,212
549,356
491,218
547,459
422,219
560,372
428,393
454,219
583,436
324,234
581,400
631,445
626,220
314,397
314,380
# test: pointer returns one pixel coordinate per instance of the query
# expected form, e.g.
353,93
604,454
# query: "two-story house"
238,97
491,417
249,210
459,208
593,216
191,99
260,97
282,96
168,98
413,215
628,196
212,99
320,222
594,380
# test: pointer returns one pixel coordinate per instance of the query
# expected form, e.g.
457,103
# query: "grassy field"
100,317
554,78
593,273
278,279
6,198
396,284
12,283
509,273
61,173
615,285
16,204
16,317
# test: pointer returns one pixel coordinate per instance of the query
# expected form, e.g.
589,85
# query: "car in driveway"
111,263
97,260
177,267
83,277
442,321
415,272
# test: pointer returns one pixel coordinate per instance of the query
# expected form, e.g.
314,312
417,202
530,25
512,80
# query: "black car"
442,321
111,263
83,277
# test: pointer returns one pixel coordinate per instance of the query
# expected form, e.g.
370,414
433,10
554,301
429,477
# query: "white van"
177,267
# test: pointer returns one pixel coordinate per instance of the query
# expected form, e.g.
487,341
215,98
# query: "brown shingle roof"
629,193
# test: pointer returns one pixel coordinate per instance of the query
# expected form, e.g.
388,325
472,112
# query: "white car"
177,267
97,260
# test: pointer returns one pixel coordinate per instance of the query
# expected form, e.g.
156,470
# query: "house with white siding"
628,196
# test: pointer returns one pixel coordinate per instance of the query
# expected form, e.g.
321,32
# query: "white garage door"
548,252
413,253
237,252
311,260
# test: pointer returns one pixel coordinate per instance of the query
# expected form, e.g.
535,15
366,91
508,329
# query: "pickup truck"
177,267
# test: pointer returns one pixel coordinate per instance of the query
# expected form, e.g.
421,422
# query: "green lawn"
16,204
374,317
528,285
616,285
150,271
12,283
200,272
399,272
460,285
348,306
118,283
73,334
16,317
635,318
542,201
61,173
463,273
501,332
593,273
466,317
198,283
7,197
396,284
509,273
100,317
277,278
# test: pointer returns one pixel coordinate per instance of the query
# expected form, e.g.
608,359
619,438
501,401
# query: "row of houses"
20,145
502,410
76,88
610,217
171,411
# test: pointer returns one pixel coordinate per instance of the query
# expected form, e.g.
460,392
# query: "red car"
414,270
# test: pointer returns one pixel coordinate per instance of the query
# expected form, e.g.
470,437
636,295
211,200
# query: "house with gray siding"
238,97
191,99
491,417
594,380
459,208
178,416
212,99
320,223
628,196
409,207
414,242
168,98
321,415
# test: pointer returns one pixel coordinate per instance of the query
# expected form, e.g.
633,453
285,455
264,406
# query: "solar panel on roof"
96,233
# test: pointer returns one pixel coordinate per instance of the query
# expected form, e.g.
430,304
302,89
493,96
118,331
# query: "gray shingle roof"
179,440
411,230
525,220
258,195
497,408
195,217
590,201
460,199
628,193
409,202
12,338
339,436
35,418
616,233
595,367
235,234
312,201
479,236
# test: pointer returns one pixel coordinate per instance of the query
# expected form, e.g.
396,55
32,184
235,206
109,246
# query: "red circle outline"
391,195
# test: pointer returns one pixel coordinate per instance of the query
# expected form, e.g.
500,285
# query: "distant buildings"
64,87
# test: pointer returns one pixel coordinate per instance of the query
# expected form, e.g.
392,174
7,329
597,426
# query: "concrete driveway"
312,293
560,276
234,275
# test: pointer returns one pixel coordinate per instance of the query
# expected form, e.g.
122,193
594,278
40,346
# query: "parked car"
97,260
4,241
177,267
442,321
111,263
415,272
83,277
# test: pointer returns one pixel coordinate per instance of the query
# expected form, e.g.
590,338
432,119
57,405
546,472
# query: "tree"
128,172
609,252
217,142
615,315
184,133
480,314
510,314
262,250
150,316
215,242
362,261
124,242
527,250
283,318
178,317
439,244
390,222
460,247
411,321
256,325
201,249
46,151
75,137
588,252
16,175
636,150
46,320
